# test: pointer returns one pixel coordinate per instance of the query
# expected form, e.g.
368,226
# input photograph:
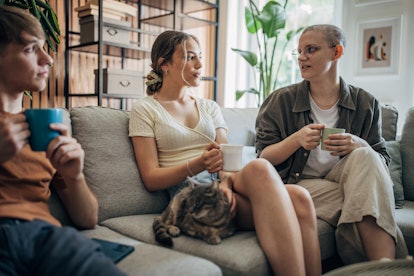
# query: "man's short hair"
14,21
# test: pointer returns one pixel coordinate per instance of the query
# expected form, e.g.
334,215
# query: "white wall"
393,88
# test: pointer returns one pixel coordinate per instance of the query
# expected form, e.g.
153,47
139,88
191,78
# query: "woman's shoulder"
144,102
145,105
206,103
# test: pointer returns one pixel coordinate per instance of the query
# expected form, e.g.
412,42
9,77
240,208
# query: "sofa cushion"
389,122
148,259
240,133
110,166
407,155
395,168
404,219
238,255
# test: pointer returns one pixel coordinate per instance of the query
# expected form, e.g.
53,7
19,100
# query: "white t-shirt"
176,143
320,162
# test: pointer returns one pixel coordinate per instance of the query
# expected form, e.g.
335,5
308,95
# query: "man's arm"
67,156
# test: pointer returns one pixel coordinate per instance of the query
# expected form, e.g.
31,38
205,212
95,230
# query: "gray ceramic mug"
326,132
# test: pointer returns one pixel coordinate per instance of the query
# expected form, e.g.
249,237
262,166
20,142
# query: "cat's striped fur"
197,210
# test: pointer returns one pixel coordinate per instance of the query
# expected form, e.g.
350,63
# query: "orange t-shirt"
24,186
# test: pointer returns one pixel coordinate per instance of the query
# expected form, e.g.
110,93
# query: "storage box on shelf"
112,30
121,82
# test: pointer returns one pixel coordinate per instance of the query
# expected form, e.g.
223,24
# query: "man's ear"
339,51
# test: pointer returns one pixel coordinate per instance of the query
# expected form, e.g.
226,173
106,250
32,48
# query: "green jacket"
287,110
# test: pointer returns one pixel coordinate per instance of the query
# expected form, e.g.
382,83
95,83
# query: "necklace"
325,105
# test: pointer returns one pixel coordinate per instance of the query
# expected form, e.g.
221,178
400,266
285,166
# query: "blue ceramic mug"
39,121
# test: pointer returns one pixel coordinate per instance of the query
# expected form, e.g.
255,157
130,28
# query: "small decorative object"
378,46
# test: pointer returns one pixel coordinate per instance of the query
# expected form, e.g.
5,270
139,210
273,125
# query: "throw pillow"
395,168
407,154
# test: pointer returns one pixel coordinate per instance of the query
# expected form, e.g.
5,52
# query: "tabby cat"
200,211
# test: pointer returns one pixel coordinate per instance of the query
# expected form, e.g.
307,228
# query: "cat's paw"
173,230
213,240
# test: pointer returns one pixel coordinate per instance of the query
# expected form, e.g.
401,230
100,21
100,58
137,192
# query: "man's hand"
66,154
344,143
14,134
309,136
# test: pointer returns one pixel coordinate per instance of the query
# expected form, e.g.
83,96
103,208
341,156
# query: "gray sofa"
127,209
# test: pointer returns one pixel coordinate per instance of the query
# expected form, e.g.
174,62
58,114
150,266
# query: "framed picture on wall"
378,46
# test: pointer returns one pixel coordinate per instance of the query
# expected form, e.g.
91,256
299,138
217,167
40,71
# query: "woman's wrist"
189,168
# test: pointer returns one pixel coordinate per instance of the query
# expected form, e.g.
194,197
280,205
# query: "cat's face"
208,203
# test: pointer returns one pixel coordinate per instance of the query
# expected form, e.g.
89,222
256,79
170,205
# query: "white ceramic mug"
232,157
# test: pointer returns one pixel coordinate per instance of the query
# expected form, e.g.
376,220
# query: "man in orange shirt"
32,241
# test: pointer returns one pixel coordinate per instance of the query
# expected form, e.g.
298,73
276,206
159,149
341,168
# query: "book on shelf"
106,14
115,5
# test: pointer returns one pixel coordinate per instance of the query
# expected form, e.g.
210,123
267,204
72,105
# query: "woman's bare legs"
264,200
306,214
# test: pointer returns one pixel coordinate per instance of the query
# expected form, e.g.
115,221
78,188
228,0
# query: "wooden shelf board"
184,21
114,49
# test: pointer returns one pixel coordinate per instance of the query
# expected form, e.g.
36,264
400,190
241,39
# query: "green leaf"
52,17
250,57
240,93
34,9
292,33
252,23
50,44
48,27
273,19
27,93
42,4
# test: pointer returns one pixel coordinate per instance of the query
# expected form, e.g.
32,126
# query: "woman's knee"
259,175
302,201
260,168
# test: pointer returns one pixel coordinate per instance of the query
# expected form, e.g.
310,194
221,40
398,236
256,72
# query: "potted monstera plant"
46,15
268,26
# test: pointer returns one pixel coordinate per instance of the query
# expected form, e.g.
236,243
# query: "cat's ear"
192,182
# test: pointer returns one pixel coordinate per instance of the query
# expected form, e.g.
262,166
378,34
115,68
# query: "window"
234,72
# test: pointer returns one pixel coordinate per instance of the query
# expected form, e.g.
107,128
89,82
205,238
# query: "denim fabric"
203,177
40,248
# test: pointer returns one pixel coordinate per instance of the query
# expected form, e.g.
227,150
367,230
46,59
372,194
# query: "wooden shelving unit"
178,14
